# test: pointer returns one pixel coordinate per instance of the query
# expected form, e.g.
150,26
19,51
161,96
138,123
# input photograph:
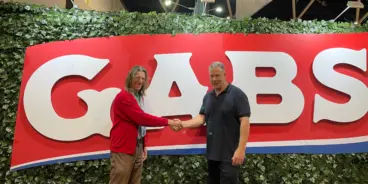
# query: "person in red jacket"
127,135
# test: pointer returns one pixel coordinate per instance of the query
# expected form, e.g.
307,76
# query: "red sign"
308,93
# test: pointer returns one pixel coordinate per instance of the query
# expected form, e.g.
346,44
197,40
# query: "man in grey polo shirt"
226,112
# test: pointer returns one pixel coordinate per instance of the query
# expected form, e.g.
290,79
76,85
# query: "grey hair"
129,80
217,64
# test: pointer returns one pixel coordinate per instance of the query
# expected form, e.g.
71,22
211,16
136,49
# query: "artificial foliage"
24,25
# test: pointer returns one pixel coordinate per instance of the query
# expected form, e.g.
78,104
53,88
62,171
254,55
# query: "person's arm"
244,133
243,112
128,106
195,122
144,151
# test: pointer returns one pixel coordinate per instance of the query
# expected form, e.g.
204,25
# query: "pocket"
209,128
112,165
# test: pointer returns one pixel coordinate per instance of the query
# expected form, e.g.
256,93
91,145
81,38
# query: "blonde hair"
129,80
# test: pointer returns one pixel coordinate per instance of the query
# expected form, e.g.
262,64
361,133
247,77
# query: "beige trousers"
127,169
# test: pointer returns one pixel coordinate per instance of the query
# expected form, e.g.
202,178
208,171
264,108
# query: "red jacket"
127,115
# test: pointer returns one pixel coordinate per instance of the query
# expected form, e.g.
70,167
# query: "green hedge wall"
24,25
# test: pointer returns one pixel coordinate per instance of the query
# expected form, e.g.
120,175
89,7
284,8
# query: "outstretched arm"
127,105
195,122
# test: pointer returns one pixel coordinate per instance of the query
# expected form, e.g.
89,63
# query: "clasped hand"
176,125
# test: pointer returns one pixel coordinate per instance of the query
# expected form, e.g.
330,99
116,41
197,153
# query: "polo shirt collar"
226,90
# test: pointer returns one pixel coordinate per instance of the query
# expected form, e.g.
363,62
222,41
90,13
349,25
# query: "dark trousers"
222,173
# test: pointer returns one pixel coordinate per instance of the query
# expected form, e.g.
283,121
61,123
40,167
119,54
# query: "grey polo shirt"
222,115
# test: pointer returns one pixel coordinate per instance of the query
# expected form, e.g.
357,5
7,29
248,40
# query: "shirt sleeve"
242,105
128,106
201,111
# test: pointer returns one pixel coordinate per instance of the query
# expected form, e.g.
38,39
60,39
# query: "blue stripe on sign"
320,149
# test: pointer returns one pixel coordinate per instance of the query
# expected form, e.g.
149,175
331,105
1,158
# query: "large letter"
170,68
41,114
323,70
244,67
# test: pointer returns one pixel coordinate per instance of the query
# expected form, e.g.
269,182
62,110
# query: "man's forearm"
195,122
244,132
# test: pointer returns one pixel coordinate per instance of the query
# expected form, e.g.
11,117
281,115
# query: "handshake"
176,124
